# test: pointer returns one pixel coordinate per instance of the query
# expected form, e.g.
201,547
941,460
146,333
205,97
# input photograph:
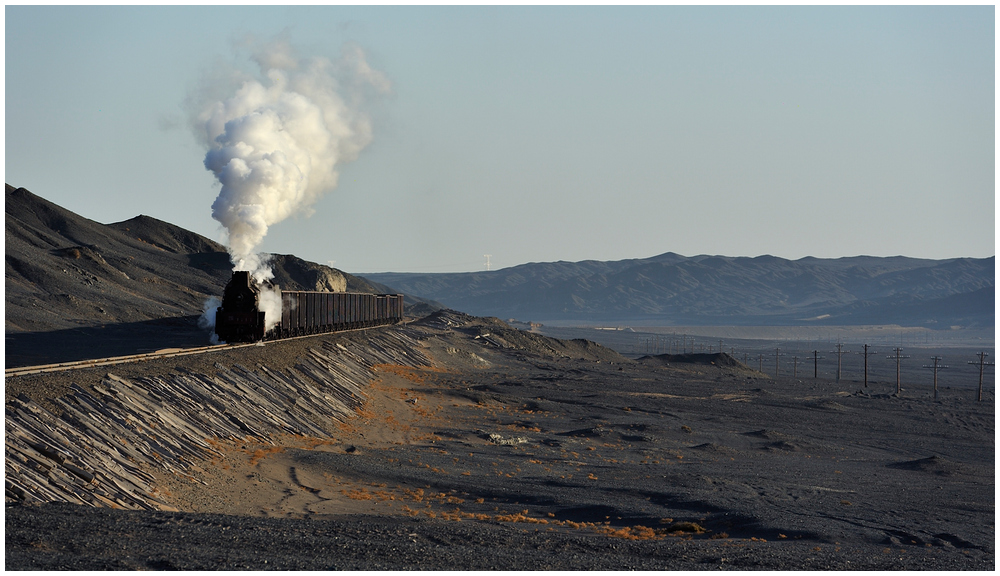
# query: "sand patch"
258,478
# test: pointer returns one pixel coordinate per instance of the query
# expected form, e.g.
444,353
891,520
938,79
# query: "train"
240,318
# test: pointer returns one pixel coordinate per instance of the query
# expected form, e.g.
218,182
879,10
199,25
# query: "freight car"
240,318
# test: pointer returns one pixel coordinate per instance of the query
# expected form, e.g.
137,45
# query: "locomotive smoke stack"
276,142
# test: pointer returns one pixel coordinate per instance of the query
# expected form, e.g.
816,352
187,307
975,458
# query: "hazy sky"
544,134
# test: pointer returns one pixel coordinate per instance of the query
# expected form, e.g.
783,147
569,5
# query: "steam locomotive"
241,319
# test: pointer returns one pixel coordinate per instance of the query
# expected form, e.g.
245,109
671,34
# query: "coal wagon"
241,319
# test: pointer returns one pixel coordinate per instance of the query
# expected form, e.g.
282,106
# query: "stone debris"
507,441
95,452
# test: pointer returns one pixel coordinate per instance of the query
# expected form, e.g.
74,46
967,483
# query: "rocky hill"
670,289
64,271
136,285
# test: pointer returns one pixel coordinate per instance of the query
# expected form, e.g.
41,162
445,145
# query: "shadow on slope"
87,342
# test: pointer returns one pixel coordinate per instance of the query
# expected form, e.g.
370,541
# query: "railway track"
165,353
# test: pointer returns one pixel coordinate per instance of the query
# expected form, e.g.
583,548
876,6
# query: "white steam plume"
207,319
270,304
276,141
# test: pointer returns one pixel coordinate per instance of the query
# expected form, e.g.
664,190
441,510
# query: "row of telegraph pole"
657,346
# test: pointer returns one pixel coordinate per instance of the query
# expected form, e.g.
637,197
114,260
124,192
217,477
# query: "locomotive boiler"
241,319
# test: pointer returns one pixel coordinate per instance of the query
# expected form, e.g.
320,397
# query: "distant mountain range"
671,289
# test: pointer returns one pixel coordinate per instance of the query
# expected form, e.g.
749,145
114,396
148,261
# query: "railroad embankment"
106,441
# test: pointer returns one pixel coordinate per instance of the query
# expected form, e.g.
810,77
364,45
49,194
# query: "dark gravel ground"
723,467
67,537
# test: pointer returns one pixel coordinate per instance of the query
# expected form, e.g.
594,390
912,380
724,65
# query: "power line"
936,367
816,359
866,353
982,363
840,352
898,356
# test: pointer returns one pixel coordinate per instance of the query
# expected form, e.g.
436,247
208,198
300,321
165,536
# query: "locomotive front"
239,319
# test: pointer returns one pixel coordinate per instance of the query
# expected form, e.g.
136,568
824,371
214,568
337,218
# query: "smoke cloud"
276,142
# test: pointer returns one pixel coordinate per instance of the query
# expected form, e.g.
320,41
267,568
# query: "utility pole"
982,362
487,256
777,353
795,366
898,356
866,353
840,353
816,359
760,362
936,367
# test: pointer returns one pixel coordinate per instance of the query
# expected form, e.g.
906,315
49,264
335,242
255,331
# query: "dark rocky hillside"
705,290
71,279
64,270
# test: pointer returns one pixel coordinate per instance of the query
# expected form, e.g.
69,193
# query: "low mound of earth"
513,451
718,363
722,360
495,332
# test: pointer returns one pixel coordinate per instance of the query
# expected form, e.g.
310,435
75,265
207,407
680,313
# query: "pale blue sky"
543,134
